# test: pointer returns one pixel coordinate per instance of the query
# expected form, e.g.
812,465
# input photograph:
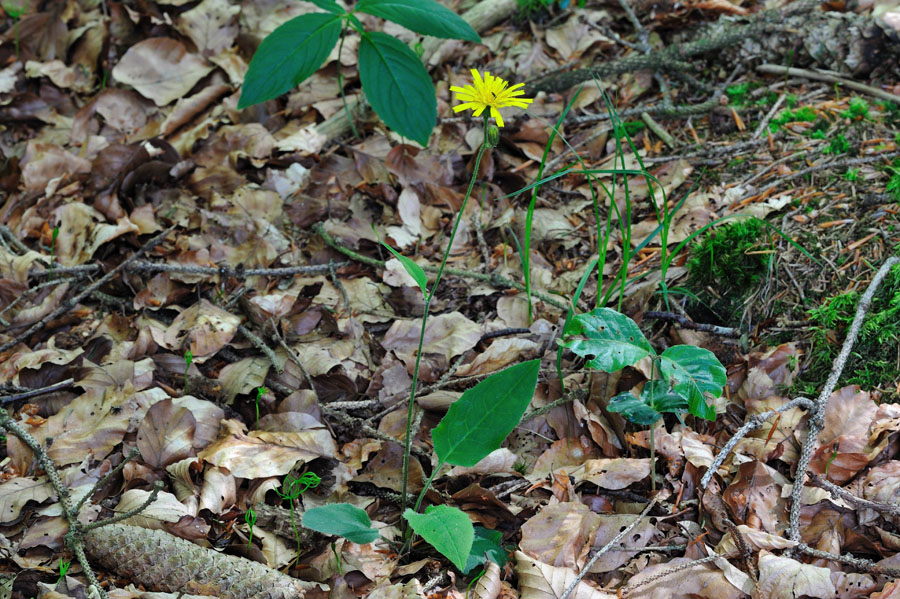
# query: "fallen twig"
36,392
612,543
73,301
817,415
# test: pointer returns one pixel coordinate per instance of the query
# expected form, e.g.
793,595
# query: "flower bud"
492,136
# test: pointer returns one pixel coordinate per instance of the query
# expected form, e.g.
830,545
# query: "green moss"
874,359
726,264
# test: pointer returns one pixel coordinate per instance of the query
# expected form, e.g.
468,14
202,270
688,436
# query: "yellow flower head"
490,92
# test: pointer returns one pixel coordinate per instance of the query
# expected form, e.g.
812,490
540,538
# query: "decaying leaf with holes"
163,562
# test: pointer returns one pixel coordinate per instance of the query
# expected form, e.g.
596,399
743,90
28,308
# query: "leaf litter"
121,121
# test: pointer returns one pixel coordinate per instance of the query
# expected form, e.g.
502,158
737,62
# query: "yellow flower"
490,92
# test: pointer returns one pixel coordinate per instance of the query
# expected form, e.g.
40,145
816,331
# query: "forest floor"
201,327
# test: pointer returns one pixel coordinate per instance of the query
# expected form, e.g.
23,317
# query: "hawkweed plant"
475,424
488,93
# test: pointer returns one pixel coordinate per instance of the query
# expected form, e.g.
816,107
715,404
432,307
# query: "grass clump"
726,264
874,361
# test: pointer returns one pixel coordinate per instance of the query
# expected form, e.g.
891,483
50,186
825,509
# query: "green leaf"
656,398
478,422
486,546
422,16
414,270
397,86
329,5
447,529
633,409
343,520
289,55
692,372
613,339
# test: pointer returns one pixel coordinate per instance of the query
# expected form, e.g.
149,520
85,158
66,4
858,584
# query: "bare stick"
754,422
839,493
72,302
817,417
615,540
35,392
775,69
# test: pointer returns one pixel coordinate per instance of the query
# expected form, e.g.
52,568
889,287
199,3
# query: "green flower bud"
492,136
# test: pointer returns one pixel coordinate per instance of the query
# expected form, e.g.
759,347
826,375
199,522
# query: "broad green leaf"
656,398
478,422
486,546
343,520
289,55
447,529
397,86
414,270
633,409
422,16
693,371
613,339
329,5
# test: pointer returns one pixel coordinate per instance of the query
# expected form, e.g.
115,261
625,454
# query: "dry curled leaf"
538,580
488,586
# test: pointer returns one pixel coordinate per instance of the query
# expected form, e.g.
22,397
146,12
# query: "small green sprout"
188,360
291,489
53,246
250,519
852,175
15,11
63,568
857,110
838,145
260,391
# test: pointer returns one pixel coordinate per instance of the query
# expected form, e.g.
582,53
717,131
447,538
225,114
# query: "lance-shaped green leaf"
656,398
478,422
289,55
693,371
329,5
414,270
397,86
343,520
447,529
611,341
422,16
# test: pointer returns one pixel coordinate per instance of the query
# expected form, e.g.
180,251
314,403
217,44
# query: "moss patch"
874,362
725,266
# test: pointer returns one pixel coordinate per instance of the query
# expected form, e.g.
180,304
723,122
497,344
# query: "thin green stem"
407,449
341,85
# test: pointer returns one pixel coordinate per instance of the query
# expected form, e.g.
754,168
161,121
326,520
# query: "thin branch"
227,271
839,493
612,543
696,326
817,418
754,422
72,302
36,392
492,278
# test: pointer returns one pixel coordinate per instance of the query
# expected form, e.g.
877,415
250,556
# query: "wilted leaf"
203,328
538,580
161,69
560,535
166,434
261,454
784,578
15,493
